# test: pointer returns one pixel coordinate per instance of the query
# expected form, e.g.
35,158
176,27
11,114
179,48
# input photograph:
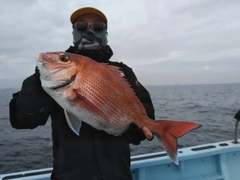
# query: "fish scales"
103,93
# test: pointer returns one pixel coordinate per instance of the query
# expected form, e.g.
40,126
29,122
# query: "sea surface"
213,106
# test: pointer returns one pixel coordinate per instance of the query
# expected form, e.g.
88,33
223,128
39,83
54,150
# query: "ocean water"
213,106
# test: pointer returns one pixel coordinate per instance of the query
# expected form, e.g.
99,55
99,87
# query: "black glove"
237,115
32,97
134,134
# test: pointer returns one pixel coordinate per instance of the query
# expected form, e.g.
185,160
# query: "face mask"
89,39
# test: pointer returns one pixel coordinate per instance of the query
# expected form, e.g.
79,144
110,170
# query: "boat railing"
235,141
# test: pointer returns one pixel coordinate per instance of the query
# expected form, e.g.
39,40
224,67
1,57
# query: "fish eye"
64,57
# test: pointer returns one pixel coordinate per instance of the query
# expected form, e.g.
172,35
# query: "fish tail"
168,131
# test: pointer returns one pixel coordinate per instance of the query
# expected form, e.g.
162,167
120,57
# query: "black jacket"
92,154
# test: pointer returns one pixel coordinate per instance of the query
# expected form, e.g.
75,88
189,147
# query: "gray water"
213,106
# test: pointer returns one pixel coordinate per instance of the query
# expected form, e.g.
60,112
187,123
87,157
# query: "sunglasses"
82,26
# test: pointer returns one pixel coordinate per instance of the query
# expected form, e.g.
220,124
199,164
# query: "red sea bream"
99,95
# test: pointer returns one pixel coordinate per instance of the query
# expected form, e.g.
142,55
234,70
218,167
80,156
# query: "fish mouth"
65,83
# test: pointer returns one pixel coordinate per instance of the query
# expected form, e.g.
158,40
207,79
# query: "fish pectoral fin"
89,105
73,122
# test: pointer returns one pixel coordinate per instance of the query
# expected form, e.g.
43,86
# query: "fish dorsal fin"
73,122
116,71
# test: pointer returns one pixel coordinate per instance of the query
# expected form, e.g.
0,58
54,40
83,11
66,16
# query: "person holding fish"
79,150
97,106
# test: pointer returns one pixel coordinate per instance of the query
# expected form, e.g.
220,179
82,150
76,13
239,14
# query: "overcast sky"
163,41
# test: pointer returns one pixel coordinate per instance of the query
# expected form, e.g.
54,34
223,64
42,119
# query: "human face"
89,39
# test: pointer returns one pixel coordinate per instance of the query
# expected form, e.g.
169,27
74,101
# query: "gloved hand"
237,115
32,97
134,134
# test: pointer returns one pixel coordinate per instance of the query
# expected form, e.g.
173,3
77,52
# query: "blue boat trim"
30,174
148,157
215,161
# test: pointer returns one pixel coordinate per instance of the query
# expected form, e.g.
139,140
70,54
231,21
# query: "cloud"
206,67
185,72
140,32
